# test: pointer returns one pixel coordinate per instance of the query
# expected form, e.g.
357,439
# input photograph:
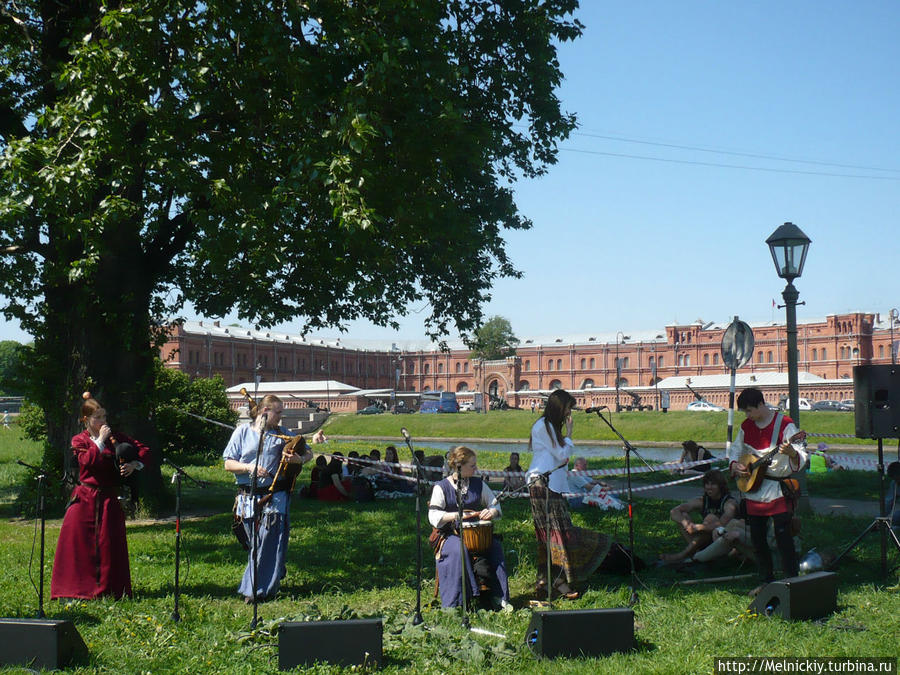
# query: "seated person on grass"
717,507
580,484
691,451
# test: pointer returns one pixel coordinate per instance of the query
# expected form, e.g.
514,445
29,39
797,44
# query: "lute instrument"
286,475
757,466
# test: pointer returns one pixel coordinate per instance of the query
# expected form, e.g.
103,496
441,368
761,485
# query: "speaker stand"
882,522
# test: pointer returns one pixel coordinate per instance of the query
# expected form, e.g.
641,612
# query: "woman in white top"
575,552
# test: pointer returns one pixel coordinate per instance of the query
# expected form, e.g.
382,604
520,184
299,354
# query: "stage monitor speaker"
40,643
798,598
580,632
877,401
345,643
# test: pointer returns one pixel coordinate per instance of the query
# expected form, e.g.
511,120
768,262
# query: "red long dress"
92,553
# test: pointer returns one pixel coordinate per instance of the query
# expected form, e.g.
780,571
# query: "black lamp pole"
788,246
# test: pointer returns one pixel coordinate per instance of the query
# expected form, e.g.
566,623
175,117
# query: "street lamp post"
892,316
395,368
326,368
619,366
788,246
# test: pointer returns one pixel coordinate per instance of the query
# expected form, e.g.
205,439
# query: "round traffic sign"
737,344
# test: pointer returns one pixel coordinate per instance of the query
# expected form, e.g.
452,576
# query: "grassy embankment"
358,560
638,427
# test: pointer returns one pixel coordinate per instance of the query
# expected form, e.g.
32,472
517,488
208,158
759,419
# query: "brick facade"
828,349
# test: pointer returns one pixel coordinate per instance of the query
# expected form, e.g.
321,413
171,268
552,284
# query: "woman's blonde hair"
267,401
459,456
89,407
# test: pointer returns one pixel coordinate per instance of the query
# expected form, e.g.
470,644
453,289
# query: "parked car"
467,406
371,410
704,406
827,405
401,408
849,404
802,404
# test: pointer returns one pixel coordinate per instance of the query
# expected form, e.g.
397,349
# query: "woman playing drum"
485,568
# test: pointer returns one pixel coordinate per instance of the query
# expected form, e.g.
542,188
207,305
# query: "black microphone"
595,408
405,434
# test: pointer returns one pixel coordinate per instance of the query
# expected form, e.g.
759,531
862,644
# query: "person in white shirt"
575,553
766,432
581,485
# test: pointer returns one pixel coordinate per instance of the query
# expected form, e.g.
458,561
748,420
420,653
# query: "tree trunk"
98,340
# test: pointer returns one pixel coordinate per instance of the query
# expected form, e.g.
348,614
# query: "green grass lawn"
638,427
358,560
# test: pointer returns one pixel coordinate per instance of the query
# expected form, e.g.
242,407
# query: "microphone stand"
417,617
176,478
463,552
628,450
254,550
546,478
41,476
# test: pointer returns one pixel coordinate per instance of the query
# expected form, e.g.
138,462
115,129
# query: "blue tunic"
447,563
274,521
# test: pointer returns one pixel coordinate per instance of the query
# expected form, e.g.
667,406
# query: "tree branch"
8,17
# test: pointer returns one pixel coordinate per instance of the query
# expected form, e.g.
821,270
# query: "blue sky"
632,234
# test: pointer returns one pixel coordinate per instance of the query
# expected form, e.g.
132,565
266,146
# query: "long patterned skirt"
575,552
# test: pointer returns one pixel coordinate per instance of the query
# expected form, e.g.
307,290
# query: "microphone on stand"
596,408
546,474
405,434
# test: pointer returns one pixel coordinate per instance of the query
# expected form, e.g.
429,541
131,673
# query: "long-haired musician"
767,431
575,552
485,564
272,507
92,554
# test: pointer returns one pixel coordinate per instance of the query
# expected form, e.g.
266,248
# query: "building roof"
307,388
741,380
602,337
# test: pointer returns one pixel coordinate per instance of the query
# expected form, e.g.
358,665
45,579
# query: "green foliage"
11,368
182,437
494,340
155,153
32,422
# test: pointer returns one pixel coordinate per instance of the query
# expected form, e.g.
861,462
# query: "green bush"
183,437
32,422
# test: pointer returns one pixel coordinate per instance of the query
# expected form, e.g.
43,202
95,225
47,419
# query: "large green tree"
324,159
494,339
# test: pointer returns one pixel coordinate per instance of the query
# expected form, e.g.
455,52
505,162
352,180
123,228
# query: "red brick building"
827,350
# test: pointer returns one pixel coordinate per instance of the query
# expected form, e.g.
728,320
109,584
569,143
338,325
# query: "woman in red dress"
92,554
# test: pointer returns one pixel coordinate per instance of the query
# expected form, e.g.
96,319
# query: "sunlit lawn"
358,560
